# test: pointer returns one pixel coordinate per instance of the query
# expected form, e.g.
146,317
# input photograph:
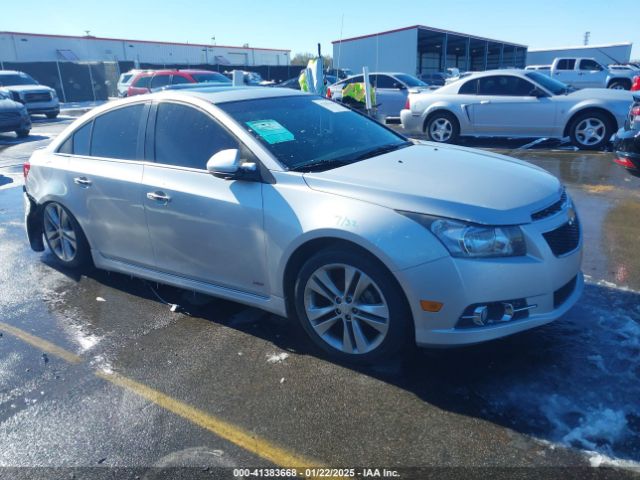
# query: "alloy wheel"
59,231
346,308
590,131
441,130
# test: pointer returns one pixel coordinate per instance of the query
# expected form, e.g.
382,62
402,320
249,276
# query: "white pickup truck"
582,72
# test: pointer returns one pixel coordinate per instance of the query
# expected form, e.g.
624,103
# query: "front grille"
9,115
37,97
560,296
550,210
564,239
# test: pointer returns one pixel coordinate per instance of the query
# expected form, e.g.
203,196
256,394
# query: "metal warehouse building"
605,54
32,47
419,49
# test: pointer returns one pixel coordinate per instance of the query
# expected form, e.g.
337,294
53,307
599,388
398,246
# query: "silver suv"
297,205
24,89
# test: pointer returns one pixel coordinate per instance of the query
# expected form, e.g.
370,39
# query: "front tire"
590,131
351,307
23,133
64,237
51,116
442,127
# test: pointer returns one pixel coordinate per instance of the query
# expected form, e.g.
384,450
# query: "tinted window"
82,140
142,82
126,78
115,134
356,79
469,88
554,86
187,137
211,77
383,81
160,81
9,79
410,81
177,79
504,85
590,65
566,64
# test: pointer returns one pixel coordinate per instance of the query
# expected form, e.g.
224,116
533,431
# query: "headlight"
54,94
470,240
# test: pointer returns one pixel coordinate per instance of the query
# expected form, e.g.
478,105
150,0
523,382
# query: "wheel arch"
47,200
307,249
624,80
593,109
440,109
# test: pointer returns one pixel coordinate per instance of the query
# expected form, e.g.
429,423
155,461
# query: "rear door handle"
82,181
159,197
485,102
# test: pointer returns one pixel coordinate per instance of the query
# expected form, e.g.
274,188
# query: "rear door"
565,71
202,227
104,180
160,80
505,106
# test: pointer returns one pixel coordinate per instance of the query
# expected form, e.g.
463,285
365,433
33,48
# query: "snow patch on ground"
277,357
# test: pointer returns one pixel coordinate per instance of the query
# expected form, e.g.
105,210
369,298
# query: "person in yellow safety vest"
356,91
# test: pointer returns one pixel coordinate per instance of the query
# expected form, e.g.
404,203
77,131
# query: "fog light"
480,315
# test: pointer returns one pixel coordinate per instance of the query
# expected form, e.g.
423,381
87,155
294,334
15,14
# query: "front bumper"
43,108
551,283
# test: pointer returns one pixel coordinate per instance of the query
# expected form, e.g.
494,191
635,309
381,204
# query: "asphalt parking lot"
98,371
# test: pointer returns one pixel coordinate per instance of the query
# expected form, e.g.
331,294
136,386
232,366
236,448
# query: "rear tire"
619,85
590,130
64,237
351,307
442,127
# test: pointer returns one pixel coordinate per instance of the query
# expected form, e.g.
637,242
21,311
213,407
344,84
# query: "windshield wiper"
319,165
383,149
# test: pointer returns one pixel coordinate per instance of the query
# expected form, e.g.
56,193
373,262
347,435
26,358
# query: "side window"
356,79
82,140
504,85
384,81
142,82
160,81
590,65
115,133
566,64
177,79
469,88
188,137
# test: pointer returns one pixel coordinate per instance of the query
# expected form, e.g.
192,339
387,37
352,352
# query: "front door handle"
159,197
485,102
82,181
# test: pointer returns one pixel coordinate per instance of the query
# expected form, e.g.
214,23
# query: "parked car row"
145,81
516,103
580,72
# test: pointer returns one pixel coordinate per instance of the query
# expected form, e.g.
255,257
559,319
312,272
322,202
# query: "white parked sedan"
297,205
517,103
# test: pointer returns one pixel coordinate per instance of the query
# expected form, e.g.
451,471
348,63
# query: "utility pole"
586,37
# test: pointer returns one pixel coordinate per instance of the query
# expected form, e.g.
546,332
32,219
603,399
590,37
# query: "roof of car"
10,72
220,94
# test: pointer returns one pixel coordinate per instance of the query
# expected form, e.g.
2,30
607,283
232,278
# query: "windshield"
209,77
16,79
411,81
309,132
554,86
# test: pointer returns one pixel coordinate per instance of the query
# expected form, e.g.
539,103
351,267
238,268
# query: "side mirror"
228,165
538,93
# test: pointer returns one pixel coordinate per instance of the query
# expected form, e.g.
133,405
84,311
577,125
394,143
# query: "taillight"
328,93
625,162
26,166
407,104
635,111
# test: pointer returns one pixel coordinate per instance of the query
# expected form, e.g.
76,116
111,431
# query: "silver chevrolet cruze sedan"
299,206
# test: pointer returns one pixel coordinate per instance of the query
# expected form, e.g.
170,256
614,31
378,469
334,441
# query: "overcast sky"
298,25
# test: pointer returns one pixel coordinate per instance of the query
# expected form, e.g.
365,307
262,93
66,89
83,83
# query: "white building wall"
36,48
605,54
390,52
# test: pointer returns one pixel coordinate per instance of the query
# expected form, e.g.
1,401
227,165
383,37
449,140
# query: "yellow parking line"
41,343
236,435
248,441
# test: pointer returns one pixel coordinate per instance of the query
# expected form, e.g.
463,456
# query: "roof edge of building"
91,37
434,29
582,47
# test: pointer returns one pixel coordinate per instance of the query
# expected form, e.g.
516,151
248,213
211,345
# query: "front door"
201,227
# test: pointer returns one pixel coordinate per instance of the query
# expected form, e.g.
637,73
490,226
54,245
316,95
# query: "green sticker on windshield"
271,131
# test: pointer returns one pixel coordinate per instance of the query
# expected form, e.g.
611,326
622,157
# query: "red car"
636,83
150,80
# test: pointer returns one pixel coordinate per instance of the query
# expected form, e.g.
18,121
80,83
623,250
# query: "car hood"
602,94
447,181
28,88
8,105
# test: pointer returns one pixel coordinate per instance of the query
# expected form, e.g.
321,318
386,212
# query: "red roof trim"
433,29
91,37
